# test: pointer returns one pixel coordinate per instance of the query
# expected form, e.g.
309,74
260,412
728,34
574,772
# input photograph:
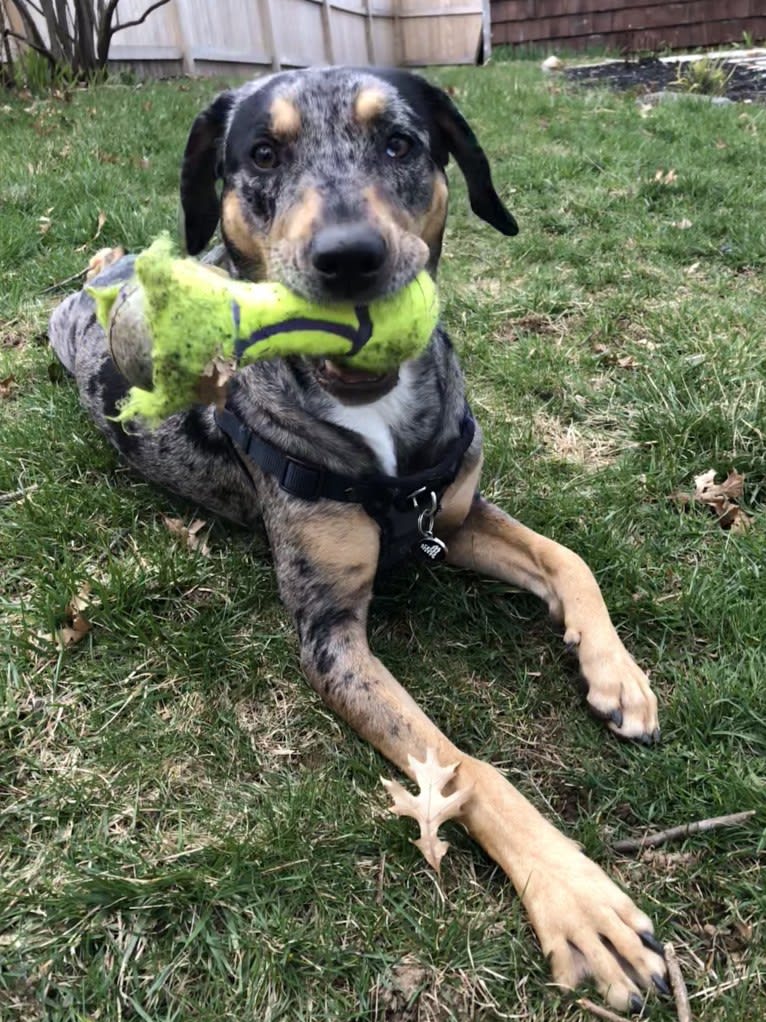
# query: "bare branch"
33,46
33,38
142,19
661,836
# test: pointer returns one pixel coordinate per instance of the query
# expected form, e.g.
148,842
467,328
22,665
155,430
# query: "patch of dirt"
650,74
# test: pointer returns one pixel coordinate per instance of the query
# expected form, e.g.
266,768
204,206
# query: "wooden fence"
225,37
625,25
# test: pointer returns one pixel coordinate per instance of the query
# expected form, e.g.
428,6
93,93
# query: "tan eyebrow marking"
285,119
369,103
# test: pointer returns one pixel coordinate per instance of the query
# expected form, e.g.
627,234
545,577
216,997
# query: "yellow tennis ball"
177,317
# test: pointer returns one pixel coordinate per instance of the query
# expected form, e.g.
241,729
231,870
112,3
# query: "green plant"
704,76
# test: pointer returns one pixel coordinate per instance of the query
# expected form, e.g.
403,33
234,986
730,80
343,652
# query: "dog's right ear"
200,170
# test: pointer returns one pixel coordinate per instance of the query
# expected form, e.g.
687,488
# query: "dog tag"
431,549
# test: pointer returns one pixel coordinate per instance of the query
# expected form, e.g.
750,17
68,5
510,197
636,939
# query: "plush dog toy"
178,325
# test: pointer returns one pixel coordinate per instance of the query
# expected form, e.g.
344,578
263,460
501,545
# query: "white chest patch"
377,422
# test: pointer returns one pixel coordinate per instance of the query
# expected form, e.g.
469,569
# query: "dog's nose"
348,256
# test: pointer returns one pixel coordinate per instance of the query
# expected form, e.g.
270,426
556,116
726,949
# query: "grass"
187,833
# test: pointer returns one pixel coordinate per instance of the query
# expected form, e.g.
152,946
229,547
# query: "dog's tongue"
344,374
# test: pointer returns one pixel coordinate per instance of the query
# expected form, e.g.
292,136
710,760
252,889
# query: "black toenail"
661,985
635,1004
616,717
656,735
650,941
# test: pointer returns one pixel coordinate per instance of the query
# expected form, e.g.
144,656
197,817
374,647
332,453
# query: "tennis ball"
177,320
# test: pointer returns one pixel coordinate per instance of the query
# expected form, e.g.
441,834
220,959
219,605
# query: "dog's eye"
398,146
265,155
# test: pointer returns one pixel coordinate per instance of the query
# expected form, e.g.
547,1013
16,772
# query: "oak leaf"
188,534
429,807
720,498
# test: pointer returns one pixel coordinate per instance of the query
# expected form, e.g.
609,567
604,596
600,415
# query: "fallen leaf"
77,625
627,362
666,177
682,225
103,258
397,993
8,387
213,385
707,490
429,807
101,222
720,498
188,534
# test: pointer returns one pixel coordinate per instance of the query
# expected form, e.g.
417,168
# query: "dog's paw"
618,691
591,931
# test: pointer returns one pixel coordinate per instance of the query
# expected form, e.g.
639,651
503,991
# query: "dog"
332,181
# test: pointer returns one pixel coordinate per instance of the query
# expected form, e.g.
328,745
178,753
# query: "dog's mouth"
354,386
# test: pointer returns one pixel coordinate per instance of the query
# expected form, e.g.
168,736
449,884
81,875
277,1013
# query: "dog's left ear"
451,134
200,170
457,138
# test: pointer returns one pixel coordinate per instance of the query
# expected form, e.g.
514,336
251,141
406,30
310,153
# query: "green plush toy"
179,322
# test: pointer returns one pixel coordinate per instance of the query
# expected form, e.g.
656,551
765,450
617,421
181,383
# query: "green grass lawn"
186,832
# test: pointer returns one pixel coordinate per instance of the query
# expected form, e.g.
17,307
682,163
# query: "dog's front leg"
491,542
326,561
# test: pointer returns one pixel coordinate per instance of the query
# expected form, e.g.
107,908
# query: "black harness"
403,506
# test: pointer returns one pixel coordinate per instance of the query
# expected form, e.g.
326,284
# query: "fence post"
268,30
180,15
368,32
329,45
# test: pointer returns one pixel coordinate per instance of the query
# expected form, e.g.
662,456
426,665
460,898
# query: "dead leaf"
429,807
103,258
189,535
682,225
77,624
666,177
213,386
707,490
397,993
101,222
627,362
8,387
719,498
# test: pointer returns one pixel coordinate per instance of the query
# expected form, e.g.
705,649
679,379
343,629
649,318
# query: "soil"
649,74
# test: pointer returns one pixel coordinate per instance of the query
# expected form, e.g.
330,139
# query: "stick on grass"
680,995
660,837
599,1011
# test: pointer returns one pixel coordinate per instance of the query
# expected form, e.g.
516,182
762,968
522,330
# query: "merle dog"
333,182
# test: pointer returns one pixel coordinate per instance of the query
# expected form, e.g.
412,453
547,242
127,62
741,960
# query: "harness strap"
393,501
312,482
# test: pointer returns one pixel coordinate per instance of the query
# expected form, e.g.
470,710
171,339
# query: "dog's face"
332,180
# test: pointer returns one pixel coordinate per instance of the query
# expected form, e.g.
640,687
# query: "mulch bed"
649,74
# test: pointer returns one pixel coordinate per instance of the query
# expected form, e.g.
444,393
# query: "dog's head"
332,180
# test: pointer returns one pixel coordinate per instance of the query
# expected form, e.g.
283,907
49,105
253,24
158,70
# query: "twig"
62,283
598,1011
142,19
16,495
661,836
381,878
680,995
7,33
